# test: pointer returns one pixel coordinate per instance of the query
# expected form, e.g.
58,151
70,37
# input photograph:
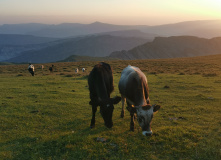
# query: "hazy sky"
133,12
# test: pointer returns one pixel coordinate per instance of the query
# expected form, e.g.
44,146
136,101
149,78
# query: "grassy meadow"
48,116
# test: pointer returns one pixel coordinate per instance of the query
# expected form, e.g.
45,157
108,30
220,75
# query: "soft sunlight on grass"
48,116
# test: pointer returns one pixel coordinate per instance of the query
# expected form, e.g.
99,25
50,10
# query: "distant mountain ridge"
75,58
48,43
130,33
12,45
172,47
63,30
93,46
16,39
203,28
200,28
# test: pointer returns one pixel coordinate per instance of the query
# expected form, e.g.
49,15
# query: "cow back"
100,81
133,85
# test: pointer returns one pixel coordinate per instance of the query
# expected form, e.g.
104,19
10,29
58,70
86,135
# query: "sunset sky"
129,12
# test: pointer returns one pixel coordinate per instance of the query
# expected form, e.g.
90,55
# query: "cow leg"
132,122
123,100
94,110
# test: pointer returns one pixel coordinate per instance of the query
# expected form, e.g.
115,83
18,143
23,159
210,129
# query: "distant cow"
76,70
83,69
31,69
51,69
42,67
100,83
134,90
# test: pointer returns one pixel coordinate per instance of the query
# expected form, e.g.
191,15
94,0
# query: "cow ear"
132,109
156,107
116,100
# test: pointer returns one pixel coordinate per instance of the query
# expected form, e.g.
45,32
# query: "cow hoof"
122,114
91,127
109,125
132,129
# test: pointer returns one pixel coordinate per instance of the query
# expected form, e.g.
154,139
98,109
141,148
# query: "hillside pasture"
48,116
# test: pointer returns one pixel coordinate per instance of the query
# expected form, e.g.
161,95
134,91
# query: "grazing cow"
100,83
76,70
83,69
51,69
42,67
31,69
134,90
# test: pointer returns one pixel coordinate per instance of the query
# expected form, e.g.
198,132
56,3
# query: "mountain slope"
12,45
21,28
75,58
172,47
203,28
94,46
64,30
67,30
16,39
130,33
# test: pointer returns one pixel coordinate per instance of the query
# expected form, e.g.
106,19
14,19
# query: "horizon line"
94,22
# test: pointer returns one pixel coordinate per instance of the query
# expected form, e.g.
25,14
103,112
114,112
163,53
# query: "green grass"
48,116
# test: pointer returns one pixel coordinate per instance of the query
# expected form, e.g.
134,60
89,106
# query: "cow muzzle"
147,133
109,125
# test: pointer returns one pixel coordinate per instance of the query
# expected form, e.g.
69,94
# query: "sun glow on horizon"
140,12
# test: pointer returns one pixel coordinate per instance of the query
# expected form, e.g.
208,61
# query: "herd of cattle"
31,69
134,91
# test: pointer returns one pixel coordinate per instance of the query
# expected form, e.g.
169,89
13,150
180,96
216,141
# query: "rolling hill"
49,43
172,47
93,46
203,28
12,45
200,28
16,39
75,58
130,33
48,116
64,29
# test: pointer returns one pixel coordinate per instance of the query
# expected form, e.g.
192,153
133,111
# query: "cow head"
106,109
144,116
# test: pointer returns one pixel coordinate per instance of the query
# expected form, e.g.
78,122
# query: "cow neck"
144,101
101,88
138,99
141,94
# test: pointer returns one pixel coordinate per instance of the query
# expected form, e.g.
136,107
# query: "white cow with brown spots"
134,90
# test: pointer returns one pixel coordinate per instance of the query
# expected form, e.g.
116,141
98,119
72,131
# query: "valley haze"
43,43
